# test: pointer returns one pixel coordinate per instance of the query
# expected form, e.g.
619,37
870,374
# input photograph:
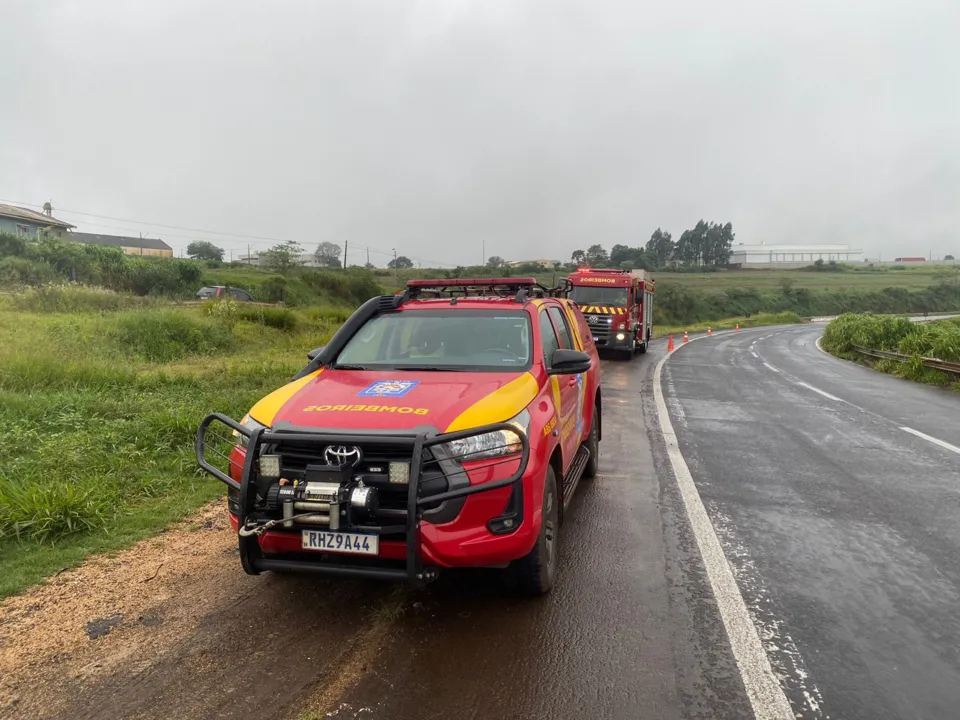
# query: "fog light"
399,473
270,466
620,336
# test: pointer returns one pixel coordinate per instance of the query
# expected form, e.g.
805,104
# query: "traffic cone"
738,328
709,331
686,338
670,345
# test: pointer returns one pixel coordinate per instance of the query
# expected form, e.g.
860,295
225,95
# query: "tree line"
708,244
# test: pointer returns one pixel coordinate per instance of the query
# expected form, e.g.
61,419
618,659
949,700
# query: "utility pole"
368,255
344,254
483,252
248,253
395,275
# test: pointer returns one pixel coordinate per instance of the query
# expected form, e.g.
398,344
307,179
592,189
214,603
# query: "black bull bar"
254,560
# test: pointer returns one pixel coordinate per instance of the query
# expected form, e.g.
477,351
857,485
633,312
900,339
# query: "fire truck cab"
618,306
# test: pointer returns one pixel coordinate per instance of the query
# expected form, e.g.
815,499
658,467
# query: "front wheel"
535,571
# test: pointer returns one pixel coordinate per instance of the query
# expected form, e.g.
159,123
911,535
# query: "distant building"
30,223
130,245
544,263
306,260
791,256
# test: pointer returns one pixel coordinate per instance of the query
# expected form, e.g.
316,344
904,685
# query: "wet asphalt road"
629,631
842,527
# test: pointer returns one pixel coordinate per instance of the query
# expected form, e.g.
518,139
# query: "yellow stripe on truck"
267,408
500,405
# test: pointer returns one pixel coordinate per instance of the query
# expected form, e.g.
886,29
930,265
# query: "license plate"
595,339
341,542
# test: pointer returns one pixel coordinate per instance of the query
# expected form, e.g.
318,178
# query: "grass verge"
760,320
100,408
938,339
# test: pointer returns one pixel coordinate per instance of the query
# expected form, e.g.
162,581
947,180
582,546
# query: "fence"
934,363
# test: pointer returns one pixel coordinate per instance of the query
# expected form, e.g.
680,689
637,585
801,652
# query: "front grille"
374,470
601,327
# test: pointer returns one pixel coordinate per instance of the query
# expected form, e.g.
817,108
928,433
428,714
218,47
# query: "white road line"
763,688
769,366
935,441
821,392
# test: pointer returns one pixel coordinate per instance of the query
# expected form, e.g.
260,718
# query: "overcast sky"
432,126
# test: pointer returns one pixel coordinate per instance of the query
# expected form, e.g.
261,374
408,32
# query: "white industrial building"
791,256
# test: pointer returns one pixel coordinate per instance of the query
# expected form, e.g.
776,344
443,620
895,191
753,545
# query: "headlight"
492,444
249,423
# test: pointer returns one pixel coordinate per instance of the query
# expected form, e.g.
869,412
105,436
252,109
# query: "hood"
375,400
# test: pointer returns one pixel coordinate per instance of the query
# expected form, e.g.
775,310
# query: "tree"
578,256
327,254
496,261
597,256
706,244
284,257
204,250
660,247
948,257
400,263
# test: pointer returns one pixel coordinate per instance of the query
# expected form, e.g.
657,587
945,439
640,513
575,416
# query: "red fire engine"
618,306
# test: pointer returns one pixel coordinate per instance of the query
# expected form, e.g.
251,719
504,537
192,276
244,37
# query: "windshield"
481,340
592,295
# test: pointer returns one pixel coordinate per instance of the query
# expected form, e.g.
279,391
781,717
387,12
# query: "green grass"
100,409
939,339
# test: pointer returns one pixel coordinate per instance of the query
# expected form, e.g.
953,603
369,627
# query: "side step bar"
572,478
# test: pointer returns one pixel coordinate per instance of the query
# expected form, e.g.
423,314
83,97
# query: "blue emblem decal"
389,388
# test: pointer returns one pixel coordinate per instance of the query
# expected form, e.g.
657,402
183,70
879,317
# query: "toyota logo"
343,455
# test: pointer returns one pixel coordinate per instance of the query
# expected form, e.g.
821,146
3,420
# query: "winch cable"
261,529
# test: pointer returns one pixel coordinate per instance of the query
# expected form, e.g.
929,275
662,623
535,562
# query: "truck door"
571,389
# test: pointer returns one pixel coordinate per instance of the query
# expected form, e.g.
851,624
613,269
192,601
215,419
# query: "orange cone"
738,328
709,331
670,345
686,339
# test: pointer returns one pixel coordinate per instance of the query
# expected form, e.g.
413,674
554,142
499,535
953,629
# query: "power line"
250,239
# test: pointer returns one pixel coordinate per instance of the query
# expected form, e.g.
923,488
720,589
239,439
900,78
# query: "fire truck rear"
618,306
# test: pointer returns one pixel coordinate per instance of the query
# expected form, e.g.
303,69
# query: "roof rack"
521,288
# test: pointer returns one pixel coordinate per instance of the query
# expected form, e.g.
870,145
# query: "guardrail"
934,363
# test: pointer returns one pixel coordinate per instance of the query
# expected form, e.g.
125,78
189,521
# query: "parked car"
447,426
222,291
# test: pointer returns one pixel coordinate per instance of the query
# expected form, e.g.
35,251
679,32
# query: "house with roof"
130,245
30,223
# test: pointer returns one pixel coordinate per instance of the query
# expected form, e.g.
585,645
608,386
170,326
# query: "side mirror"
569,362
312,355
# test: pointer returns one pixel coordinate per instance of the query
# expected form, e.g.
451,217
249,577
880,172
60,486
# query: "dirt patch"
84,622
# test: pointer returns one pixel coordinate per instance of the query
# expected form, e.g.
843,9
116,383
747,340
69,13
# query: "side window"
239,294
563,327
548,337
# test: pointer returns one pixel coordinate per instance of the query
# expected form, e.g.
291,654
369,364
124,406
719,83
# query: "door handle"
572,381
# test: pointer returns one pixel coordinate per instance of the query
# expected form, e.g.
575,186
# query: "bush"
23,271
169,335
279,318
54,298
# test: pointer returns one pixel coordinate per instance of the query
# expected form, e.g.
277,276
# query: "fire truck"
618,306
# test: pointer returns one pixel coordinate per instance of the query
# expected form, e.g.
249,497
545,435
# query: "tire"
535,572
593,445
643,349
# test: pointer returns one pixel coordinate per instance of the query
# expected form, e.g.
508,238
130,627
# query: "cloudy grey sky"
536,127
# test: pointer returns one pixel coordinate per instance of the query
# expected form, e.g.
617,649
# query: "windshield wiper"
439,368
349,367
